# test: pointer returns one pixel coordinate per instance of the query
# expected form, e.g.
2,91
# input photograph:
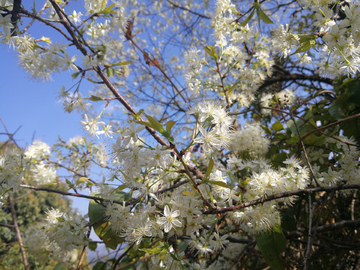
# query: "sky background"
33,108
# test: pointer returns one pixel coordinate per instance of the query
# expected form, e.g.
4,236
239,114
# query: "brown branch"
242,252
7,225
279,196
152,62
18,234
331,125
64,22
24,195
325,228
294,77
138,260
68,193
27,13
33,19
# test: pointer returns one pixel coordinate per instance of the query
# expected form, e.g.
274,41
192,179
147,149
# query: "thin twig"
123,255
18,234
268,198
7,225
241,254
138,260
304,150
33,19
189,10
331,125
308,247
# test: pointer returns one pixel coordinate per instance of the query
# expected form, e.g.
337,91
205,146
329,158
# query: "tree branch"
18,234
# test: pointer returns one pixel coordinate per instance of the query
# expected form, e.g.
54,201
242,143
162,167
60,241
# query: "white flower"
159,157
336,36
37,150
53,215
209,139
91,125
218,242
130,133
169,220
69,62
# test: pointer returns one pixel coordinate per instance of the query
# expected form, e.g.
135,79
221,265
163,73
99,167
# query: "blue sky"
33,107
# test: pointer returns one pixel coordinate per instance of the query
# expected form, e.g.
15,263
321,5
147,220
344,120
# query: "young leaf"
75,75
121,63
155,124
108,10
110,72
102,228
248,18
81,180
264,17
154,250
94,98
271,244
277,126
103,4
169,125
219,183
210,167
210,50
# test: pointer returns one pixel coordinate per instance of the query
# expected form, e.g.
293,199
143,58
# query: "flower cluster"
59,235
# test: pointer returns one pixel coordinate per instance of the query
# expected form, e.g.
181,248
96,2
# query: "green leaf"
337,108
263,16
95,98
279,136
100,266
92,246
209,168
169,125
46,40
271,244
60,266
145,124
170,139
288,221
219,183
108,10
81,180
121,63
155,124
102,228
248,18
110,72
90,80
293,140
304,47
355,89
266,129
121,187
103,4
75,75
279,159
210,50
277,126
305,37
70,185
154,250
